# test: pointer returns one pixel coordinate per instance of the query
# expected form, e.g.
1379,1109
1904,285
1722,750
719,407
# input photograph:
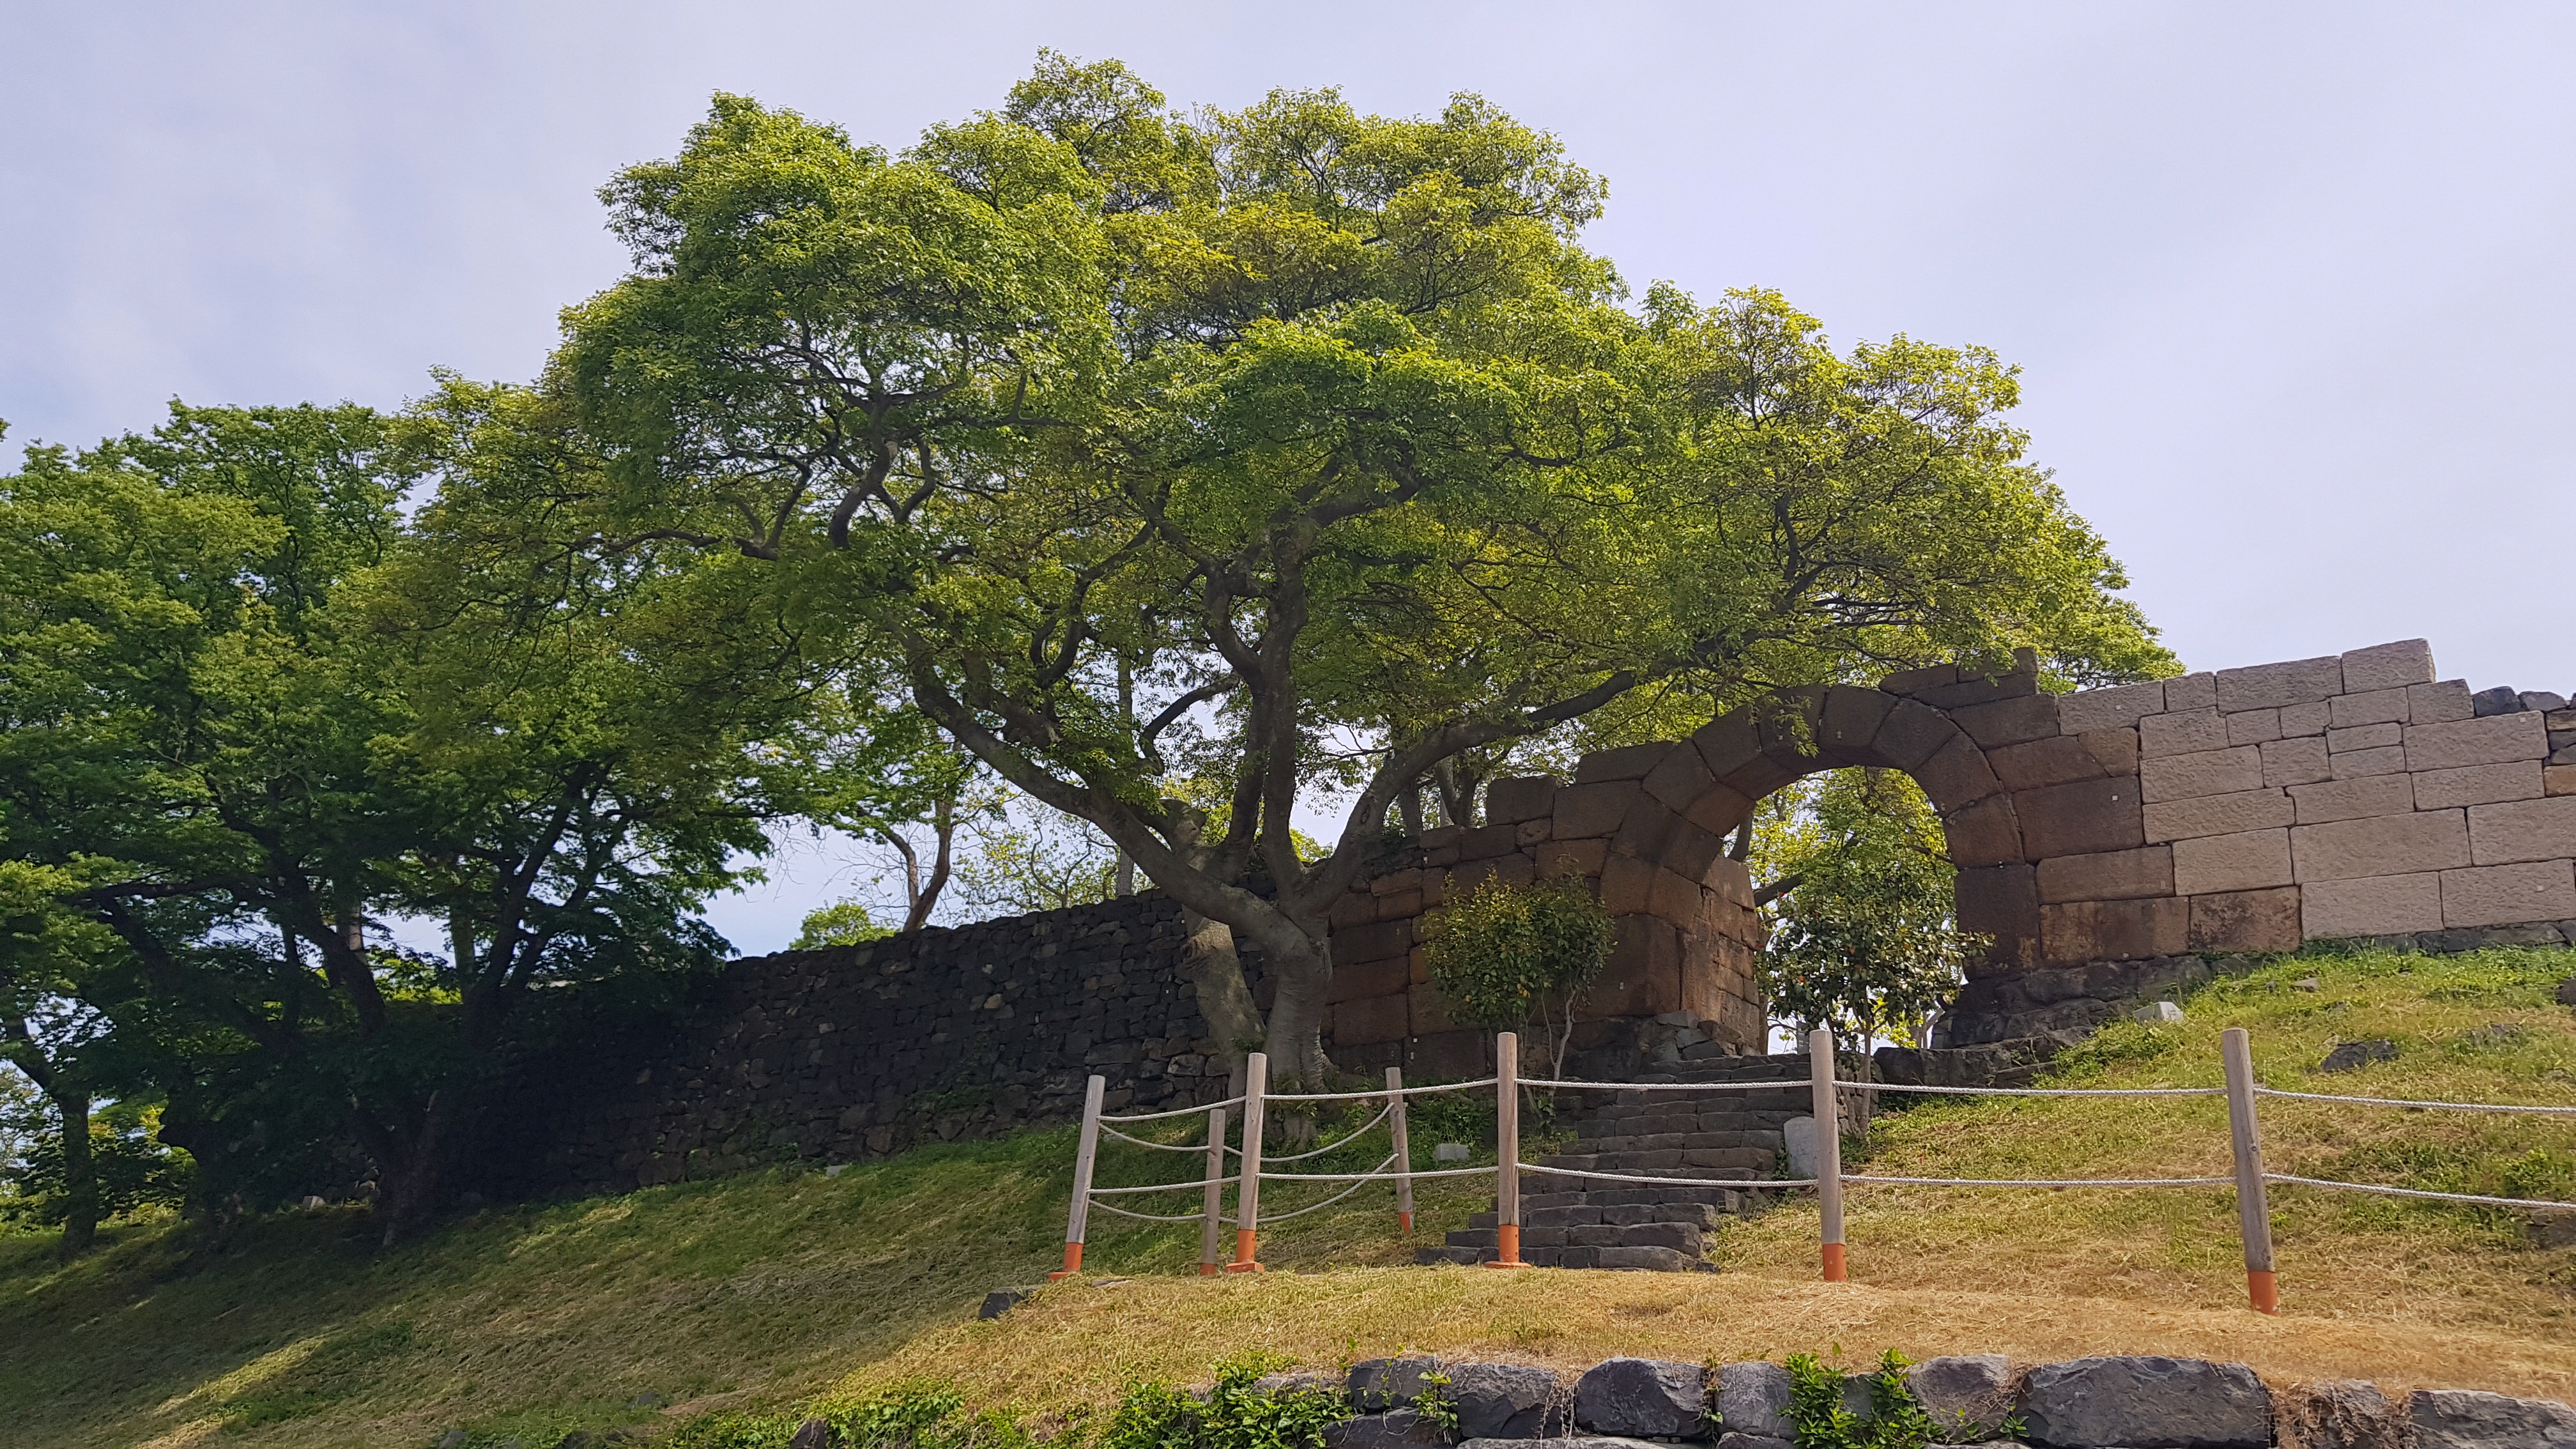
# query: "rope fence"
1824,1087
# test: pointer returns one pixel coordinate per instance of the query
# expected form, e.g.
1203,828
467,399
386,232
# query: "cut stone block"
2116,751
2357,764
2468,1419
1984,832
2478,785
2558,780
2084,817
2296,681
2490,741
2295,762
2218,815
2210,864
2301,720
1753,1398
1629,762
2191,691
2185,734
1597,809
2252,727
2009,721
1676,783
2448,699
1909,735
2354,799
2110,876
2100,709
2073,934
1371,1020
2055,761
1500,1400
1642,1397
1523,797
2385,845
2147,1403
1968,1395
2507,895
2522,830
2364,737
2347,710
2211,772
1852,718
1957,774
2246,921
2384,906
1999,900
2387,666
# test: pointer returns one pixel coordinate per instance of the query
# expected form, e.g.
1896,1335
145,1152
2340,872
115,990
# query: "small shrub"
1897,1420
1506,956
1232,1416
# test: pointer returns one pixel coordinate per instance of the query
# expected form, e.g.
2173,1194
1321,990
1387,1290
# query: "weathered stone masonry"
859,1051
2111,842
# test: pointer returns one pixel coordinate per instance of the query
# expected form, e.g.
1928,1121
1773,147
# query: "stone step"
1646,1258
1689,1237
1666,1160
1768,1139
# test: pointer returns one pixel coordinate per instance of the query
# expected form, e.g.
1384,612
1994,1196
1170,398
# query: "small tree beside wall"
1508,957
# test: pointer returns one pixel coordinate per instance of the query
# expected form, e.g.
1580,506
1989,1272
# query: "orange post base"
1507,1239
1072,1262
1207,1270
1246,1245
1834,1270
1405,1220
2264,1290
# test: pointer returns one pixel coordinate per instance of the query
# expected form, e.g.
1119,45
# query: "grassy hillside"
649,1309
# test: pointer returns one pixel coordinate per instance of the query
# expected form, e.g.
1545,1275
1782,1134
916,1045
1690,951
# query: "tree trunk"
1215,972
1296,1038
408,1167
80,1174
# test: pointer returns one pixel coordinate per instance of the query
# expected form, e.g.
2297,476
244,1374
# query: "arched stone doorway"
2103,838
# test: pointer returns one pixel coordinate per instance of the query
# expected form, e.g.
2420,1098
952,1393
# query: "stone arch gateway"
2103,839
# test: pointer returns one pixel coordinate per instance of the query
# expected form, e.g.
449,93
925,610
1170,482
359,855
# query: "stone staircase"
1732,1140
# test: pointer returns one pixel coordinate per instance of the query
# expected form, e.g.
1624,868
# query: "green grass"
766,1291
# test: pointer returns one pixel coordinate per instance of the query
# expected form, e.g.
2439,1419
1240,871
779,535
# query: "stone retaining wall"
2123,1402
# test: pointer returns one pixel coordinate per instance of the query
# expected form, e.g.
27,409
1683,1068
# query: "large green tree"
1290,447
254,713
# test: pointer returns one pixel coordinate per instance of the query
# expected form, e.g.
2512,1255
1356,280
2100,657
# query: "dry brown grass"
1077,1344
766,1290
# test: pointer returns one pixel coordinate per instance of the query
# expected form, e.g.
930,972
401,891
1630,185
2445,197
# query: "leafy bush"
1233,1415
1506,955
1897,1420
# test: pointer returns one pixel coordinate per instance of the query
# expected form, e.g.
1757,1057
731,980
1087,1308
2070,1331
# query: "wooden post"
1403,1146
1247,1194
1078,1217
2253,1200
1212,1199
1507,1152
1829,1150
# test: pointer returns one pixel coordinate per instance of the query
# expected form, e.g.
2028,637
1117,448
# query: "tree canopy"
1290,447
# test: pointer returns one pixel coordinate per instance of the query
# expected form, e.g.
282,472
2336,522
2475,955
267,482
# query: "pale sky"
2289,283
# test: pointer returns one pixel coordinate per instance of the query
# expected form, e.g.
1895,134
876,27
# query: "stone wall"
858,1051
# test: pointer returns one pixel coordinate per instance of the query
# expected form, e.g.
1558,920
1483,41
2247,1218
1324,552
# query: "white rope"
1783,1085
1380,1092
2403,1102
2047,1182
2538,1204
1740,1184
1355,1136
1162,1187
1157,1146
1149,1217
1175,1112
2036,1091
1268,1218
1267,1175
